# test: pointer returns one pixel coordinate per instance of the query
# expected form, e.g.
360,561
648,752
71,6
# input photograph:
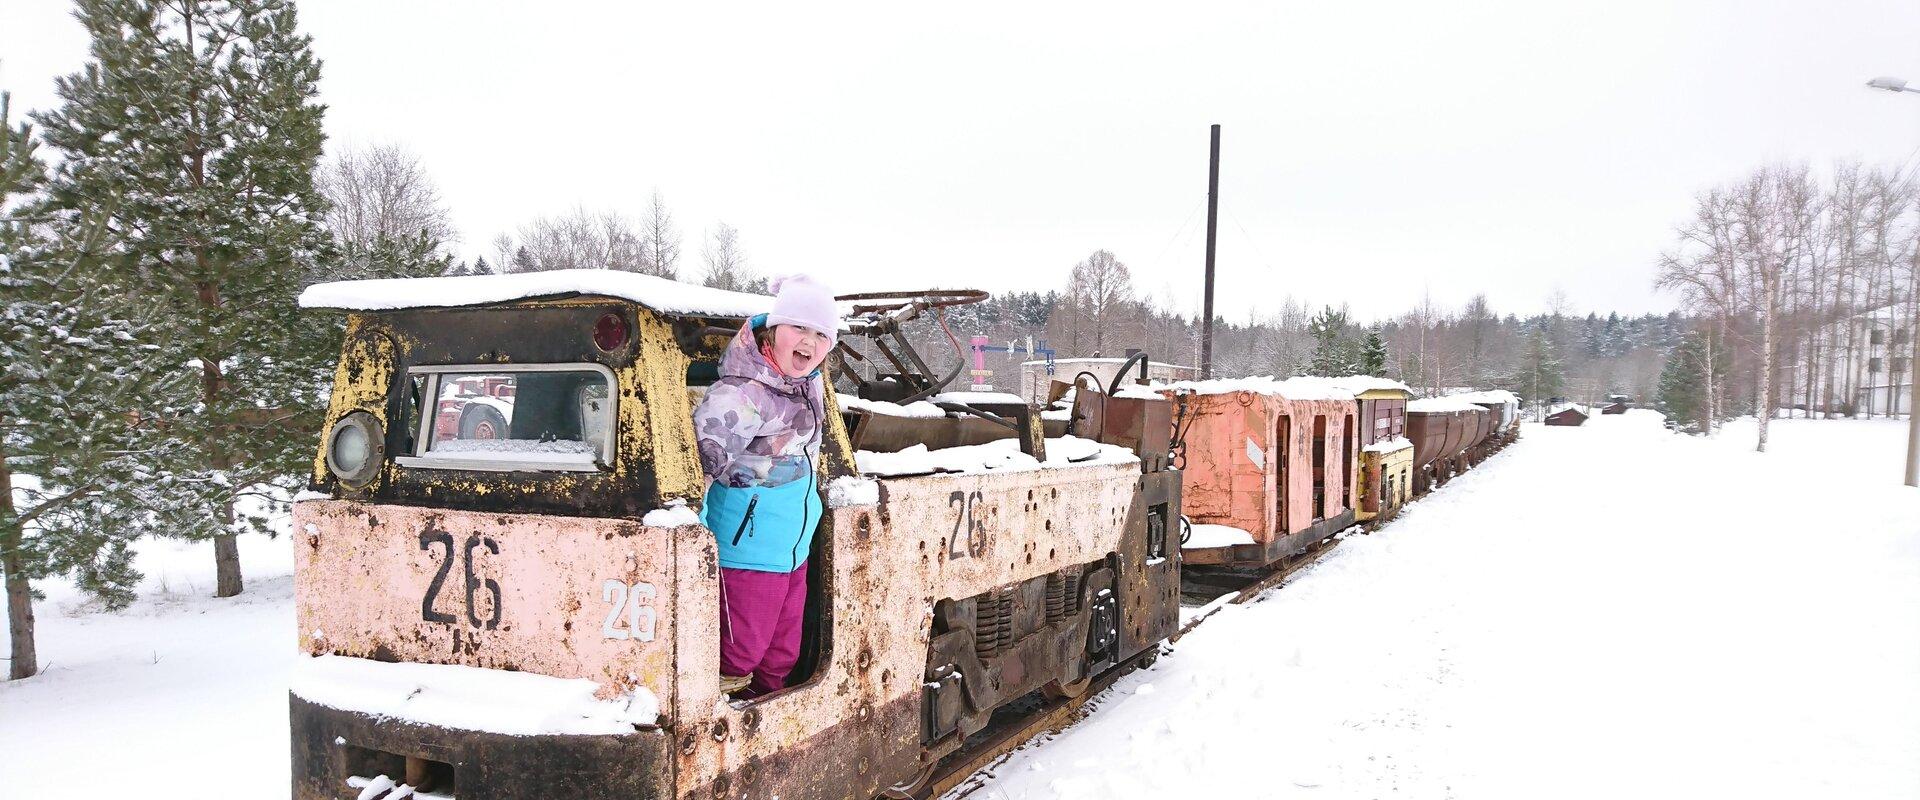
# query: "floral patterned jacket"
758,427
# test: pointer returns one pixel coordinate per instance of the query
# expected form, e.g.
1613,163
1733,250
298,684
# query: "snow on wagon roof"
1291,388
1494,396
659,294
1442,405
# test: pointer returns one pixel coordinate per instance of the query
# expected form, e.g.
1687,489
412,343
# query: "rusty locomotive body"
548,549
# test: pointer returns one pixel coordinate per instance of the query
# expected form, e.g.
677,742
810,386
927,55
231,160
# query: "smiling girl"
759,431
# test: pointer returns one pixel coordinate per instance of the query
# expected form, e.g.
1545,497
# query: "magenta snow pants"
760,625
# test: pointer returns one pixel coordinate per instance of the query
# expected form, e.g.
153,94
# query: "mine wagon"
1442,429
524,603
1273,459
1503,409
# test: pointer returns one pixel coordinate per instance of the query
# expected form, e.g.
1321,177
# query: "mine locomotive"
503,590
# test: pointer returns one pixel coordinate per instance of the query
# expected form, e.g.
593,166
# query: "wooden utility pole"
1913,370
1213,218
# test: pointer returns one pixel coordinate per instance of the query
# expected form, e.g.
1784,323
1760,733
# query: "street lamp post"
1893,84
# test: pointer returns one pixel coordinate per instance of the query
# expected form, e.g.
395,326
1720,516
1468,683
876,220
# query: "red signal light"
610,333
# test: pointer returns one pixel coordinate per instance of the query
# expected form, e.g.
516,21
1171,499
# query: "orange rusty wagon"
505,592
1273,459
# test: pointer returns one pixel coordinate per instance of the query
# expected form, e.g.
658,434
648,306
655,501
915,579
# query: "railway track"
1033,723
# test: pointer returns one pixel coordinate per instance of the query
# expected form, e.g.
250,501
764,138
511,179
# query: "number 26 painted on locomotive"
474,582
637,600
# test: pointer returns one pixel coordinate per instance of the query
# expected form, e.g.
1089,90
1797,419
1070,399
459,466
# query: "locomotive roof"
659,294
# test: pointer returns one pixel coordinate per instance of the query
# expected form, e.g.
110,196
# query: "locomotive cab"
505,590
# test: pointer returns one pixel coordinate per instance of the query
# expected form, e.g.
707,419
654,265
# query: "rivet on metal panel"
864,660
689,743
750,722
720,786
866,711
863,526
720,730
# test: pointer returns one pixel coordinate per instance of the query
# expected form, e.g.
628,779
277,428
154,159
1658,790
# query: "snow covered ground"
1604,611
1608,610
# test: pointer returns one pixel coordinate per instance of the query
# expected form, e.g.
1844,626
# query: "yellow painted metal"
360,381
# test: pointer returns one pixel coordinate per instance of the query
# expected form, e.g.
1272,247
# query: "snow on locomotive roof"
659,294
1441,405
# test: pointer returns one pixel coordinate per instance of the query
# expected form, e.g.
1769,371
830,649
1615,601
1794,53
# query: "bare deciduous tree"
1100,289
381,193
660,240
727,263
582,239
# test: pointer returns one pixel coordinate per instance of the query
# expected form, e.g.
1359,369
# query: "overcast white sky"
1372,151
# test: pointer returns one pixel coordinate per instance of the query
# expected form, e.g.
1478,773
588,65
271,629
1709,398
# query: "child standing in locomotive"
759,431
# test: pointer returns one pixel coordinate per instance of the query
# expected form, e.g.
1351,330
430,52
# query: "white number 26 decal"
637,601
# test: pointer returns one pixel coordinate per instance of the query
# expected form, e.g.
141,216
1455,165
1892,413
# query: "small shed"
1616,407
1567,416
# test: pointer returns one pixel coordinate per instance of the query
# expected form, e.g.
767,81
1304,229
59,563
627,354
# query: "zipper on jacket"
744,521
820,435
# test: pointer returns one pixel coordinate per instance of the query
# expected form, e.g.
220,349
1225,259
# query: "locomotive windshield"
546,417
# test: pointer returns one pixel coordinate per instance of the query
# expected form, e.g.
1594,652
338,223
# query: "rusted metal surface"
884,433
448,566
1383,415
889,566
931,538
503,591
1142,425
330,744
1250,464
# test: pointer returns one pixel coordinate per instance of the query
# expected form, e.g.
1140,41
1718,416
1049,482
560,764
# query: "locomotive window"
519,417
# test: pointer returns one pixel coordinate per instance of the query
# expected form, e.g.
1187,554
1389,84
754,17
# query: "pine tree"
72,483
1334,351
1373,360
480,266
416,256
202,116
1683,383
1538,375
523,262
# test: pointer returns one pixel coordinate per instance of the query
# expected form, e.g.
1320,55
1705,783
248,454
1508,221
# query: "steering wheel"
931,298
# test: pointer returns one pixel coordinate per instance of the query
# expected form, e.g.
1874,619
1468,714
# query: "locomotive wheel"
1055,690
482,422
915,788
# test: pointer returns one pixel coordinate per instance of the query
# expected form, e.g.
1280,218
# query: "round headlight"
355,448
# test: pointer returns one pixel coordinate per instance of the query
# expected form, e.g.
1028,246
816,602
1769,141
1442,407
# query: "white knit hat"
801,300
